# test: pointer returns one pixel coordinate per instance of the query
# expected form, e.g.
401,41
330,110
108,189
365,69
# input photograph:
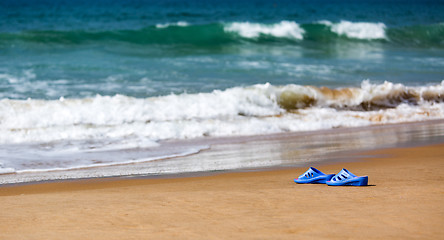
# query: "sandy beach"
143,119
404,201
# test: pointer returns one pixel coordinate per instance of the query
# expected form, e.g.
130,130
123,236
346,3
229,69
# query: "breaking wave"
257,109
215,34
49,135
284,29
360,30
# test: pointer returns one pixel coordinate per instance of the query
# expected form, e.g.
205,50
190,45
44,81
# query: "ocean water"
106,82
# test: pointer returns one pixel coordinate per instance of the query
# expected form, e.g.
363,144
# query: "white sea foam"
24,77
7,170
74,133
178,24
235,111
105,117
358,30
89,164
284,29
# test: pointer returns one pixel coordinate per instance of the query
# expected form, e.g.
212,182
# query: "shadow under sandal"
313,175
346,178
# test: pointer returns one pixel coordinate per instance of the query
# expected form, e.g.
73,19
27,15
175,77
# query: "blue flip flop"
346,178
313,175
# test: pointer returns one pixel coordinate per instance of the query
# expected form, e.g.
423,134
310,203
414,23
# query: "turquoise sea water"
77,49
80,77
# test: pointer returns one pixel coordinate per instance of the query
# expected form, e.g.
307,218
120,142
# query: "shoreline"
280,150
403,201
354,157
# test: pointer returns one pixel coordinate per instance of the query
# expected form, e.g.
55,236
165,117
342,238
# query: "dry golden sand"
405,201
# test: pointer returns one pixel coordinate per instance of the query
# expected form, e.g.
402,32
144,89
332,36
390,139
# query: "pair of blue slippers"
343,178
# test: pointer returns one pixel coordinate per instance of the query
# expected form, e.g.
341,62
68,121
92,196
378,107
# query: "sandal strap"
343,174
311,172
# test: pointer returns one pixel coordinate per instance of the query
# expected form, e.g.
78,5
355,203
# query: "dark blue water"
143,48
22,15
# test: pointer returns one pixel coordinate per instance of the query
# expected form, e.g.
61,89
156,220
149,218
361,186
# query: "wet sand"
240,153
405,201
